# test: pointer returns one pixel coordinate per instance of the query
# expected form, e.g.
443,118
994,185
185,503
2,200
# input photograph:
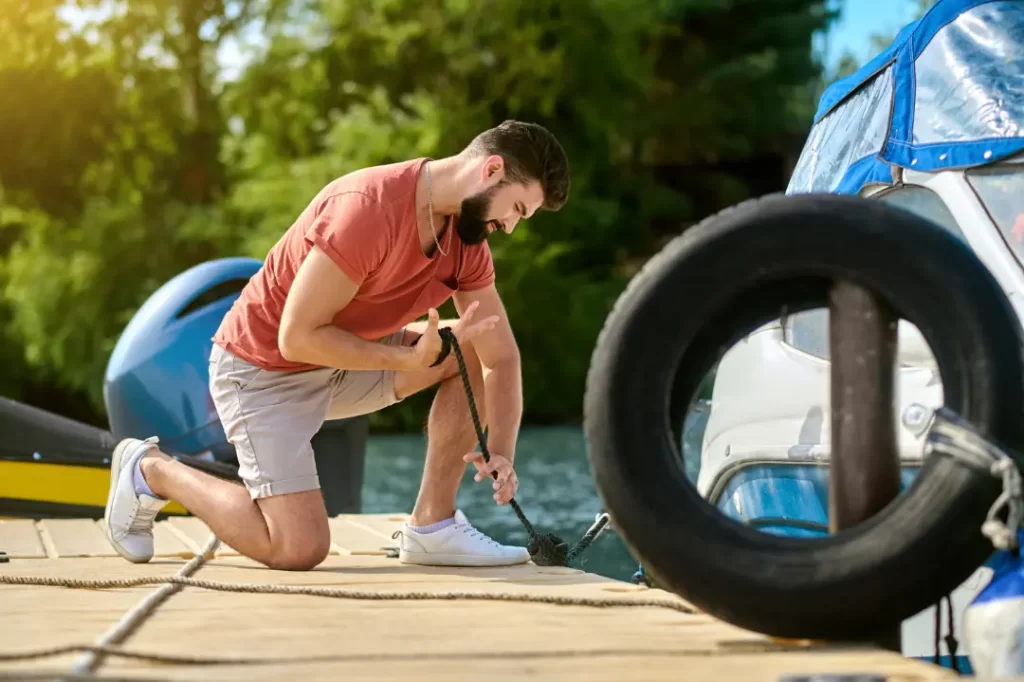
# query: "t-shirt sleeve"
477,269
352,229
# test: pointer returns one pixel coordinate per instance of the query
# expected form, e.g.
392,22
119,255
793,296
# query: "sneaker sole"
460,560
115,473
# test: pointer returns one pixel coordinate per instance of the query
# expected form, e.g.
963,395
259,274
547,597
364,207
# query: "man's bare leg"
450,431
450,435
286,531
436,534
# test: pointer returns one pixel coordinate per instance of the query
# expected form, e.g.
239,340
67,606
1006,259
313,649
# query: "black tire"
707,289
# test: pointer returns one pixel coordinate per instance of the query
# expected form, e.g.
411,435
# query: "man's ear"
493,169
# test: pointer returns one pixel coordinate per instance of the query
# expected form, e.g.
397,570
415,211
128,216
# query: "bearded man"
330,328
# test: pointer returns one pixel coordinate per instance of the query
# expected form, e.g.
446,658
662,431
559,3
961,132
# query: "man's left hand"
507,482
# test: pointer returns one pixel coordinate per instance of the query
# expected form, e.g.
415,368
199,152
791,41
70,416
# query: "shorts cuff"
285,487
388,387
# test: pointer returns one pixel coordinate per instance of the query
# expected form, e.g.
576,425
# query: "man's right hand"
428,347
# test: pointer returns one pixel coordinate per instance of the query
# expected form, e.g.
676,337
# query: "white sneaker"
129,516
457,545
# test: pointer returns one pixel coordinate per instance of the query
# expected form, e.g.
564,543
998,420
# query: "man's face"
498,208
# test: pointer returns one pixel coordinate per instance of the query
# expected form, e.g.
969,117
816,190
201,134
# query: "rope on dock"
94,655
93,659
340,593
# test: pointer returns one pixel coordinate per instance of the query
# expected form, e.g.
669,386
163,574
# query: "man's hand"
507,482
428,346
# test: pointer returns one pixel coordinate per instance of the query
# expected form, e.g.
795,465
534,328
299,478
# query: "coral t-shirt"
366,222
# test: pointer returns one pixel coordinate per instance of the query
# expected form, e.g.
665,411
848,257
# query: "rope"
955,437
91,662
335,592
94,655
546,549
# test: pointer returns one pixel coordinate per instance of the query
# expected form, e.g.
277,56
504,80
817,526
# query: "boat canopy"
948,93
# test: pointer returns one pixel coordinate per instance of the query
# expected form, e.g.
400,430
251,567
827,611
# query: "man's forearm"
330,346
503,391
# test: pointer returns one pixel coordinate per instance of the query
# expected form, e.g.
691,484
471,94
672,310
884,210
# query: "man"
327,329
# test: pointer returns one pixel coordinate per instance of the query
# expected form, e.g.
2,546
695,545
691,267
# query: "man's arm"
306,335
499,355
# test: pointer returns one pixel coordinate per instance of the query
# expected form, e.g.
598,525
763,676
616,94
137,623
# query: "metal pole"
865,467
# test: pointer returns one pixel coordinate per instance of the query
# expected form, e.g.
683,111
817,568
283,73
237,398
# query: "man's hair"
530,153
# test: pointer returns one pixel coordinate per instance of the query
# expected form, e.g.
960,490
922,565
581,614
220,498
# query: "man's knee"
303,554
300,538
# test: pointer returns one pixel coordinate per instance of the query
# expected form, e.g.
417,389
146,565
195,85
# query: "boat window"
807,331
853,131
969,78
1001,189
924,202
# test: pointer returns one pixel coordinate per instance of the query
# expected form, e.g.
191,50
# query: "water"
556,490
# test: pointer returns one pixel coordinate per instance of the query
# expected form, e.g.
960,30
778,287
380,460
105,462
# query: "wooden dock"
593,629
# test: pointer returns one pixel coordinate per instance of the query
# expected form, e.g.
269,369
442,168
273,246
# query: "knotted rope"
546,549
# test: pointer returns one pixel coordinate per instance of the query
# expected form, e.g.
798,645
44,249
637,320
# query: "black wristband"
446,345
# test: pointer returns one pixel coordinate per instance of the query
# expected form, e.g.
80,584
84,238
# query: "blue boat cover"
947,93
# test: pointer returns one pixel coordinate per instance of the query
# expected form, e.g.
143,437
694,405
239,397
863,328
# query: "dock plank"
76,538
167,541
37,617
19,539
597,666
383,524
352,538
398,635
324,638
198,534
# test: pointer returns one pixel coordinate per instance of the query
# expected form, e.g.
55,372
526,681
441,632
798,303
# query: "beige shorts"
270,417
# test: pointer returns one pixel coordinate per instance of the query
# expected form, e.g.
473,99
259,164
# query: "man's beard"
473,225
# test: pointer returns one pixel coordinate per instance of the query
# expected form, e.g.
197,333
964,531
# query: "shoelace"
143,521
475,533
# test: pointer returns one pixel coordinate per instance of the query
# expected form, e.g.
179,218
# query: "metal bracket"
953,436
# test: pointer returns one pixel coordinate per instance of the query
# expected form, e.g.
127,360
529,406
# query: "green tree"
668,110
117,139
650,99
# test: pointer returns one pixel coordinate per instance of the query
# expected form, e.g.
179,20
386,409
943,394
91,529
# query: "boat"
934,125
156,384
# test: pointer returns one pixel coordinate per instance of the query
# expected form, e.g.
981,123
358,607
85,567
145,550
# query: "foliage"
132,155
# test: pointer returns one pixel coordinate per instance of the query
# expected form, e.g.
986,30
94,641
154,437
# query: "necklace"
430,215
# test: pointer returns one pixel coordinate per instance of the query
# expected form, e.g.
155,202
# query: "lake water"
556,490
